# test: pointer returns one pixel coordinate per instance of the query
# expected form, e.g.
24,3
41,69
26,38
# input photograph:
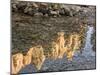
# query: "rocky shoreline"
51,9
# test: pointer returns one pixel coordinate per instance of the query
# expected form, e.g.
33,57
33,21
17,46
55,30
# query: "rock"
44,11
26,10
38,14
29,4
71,10
30,11
21,6
15,1
55,7
35,5
68,13
76,8
14,7
43,5
62,11
54,13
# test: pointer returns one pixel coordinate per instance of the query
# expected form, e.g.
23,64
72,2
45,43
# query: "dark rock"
44,11
54,13
14,7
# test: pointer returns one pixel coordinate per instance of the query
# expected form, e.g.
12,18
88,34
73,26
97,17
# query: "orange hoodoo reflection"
59,48
35,55
17,63
73,45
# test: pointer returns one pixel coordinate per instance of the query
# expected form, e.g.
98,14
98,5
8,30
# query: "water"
88,45
84,61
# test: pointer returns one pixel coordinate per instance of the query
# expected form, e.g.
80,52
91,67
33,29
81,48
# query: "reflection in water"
80,62
88,46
